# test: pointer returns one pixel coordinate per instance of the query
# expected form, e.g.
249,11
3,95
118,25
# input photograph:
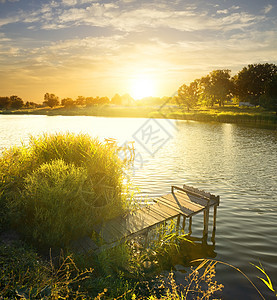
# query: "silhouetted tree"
80,100
215,87
254,81
4,102
30,104
68,102
16,102
51,100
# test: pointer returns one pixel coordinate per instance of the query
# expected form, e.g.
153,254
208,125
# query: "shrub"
59,186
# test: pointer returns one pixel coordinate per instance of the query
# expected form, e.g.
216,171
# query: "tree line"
255,84
52,100
15,102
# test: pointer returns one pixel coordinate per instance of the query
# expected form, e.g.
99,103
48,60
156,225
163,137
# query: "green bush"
59,186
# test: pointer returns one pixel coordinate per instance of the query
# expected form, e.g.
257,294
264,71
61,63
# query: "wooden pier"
181,204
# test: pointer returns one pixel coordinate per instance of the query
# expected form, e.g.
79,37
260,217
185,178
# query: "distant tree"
4,102
215,87
51,100
254,81
269,99
221,85
68,102
30,104
91,101
116,99
103,100
188,95
127,99
16,102
80,100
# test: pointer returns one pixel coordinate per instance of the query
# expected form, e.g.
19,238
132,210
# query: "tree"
30,104
80,100
91,101
269,99
254,81
68,102
4,102
215,87
221,85
103,100
188,95
16,102
116,99
51,100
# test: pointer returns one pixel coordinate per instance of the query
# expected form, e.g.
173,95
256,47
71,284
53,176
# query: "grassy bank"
228,114
53,191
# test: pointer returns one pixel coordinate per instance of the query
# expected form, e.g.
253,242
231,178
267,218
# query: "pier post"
184,224
206,222
214,225
178,224
190,223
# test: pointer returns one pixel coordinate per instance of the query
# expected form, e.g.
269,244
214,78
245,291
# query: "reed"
58,186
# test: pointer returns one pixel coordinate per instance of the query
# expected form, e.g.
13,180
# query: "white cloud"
4,1
268,8
222,11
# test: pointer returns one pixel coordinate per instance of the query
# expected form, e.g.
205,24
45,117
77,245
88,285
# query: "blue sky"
86,47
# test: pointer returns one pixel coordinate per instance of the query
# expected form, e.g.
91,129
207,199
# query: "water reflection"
238,163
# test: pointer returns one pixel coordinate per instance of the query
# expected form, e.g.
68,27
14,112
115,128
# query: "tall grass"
58,186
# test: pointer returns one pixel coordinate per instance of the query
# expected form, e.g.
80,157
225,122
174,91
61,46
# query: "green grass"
227,114
58,186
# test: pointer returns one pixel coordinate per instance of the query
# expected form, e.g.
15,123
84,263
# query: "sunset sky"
90,48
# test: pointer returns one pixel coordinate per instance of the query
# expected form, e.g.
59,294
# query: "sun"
143,87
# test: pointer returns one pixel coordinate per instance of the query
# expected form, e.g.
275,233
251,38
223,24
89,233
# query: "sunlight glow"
143,86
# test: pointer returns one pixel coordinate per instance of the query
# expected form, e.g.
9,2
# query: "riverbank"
229,114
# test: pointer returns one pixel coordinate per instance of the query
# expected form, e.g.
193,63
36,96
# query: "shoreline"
253,117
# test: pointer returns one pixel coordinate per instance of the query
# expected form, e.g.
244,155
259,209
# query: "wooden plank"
108,234
164,211
182,204
199,201
151,216
137,222
173,205
187,202
119,225
151,212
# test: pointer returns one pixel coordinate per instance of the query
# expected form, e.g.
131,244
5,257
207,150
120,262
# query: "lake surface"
238,163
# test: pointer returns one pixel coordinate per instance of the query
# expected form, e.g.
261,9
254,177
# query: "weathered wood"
184,202
178,224
206,222
186,207
184,224
214,221
190,224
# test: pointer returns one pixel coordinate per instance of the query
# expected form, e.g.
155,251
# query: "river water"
238,163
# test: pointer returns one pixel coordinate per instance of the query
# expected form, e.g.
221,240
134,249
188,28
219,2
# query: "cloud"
223,11
137,19
131,18
268,8
4,1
